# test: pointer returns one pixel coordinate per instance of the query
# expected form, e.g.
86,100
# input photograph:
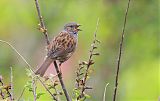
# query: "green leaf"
77,92
87,96
29,86
28,72
39,95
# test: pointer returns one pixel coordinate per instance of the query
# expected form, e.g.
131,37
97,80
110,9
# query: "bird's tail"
41,71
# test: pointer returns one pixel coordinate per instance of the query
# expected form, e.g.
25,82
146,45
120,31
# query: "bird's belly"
65,57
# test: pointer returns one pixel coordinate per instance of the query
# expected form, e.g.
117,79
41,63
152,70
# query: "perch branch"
44,30
120,52
61,81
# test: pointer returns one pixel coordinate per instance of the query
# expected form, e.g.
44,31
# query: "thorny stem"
90,61
90,57
120,52
91,52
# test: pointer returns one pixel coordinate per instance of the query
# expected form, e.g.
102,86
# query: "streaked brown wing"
62,45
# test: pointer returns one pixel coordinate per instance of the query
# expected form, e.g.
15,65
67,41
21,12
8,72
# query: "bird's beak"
78,28
78,25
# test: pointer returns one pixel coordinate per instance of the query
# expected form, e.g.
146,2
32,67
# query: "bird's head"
72,28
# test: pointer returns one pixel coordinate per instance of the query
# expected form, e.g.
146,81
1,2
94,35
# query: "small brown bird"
61,47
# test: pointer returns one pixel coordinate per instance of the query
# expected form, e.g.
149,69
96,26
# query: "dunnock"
61,47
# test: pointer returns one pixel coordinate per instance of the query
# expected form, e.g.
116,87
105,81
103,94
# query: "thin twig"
21,94
14,49
29,67
12,98
120,52
61,81
104,94
42,25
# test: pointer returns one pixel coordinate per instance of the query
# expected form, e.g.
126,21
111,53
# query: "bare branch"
120,52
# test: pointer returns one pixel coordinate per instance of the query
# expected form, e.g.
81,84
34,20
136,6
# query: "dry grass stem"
120,52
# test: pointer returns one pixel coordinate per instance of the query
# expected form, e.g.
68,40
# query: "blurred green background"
139,78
